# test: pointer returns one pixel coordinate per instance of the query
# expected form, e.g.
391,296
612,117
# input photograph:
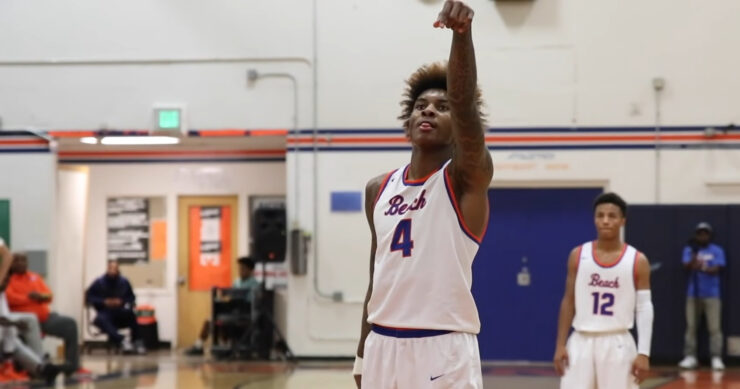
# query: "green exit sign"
168,118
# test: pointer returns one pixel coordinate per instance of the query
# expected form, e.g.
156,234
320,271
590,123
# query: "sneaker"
6,368
717,363
127,347
12,375
81,373
194,351
689,362
140,349
21,376
48,372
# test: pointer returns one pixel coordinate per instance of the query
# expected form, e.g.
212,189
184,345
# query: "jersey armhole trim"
382,186
460,220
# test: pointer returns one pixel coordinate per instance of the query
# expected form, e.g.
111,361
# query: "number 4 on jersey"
402,238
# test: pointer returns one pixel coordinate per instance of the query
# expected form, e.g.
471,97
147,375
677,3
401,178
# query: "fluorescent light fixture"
90,140
139,140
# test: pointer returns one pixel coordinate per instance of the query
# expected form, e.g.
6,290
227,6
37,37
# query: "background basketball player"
608,281
427,220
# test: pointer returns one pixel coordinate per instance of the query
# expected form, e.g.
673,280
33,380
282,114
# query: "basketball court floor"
174,371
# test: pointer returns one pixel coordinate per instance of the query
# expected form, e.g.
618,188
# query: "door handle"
181,280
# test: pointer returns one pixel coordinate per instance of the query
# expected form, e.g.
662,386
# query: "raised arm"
471,169
371,193
567,312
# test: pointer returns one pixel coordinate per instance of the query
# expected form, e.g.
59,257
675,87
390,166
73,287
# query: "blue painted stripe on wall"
576,130
398,130
575,147
359,148
542,147
23,133
570,130
347,131
538,147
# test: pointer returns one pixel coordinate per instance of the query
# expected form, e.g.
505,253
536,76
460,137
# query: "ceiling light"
90,140
139,140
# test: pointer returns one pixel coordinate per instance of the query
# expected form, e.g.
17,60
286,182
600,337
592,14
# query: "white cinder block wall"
555,63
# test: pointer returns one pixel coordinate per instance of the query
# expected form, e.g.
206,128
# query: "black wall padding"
661,232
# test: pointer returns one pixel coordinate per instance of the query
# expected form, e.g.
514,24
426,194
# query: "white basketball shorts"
418,359
600,361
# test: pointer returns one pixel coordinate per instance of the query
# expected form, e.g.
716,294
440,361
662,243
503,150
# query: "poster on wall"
277,275
210,248
128,229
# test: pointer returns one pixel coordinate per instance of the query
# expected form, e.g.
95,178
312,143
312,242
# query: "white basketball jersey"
424,257
605,295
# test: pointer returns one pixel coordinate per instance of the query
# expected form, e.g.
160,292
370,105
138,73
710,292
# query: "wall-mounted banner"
128,229
210,247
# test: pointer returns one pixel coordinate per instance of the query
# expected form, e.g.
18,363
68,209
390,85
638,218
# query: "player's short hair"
246,261
430,76
611,198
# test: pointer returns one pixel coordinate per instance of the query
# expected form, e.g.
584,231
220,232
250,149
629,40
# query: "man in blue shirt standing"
703,260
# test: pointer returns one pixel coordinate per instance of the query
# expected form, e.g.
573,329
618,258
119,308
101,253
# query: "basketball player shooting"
427,220
606,291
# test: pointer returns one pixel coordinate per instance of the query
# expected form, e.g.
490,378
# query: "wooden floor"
174,371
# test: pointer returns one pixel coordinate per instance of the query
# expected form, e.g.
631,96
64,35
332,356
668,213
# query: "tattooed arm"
471,169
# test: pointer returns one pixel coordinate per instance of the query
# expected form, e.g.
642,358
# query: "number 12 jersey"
605,295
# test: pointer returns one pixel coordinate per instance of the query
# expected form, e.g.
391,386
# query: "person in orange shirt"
27,292
10,343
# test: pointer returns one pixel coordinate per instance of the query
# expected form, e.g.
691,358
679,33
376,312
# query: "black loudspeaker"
269,234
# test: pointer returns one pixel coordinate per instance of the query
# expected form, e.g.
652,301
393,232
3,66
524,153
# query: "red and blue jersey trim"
416,182
383,185
598,262
578,259
460,220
